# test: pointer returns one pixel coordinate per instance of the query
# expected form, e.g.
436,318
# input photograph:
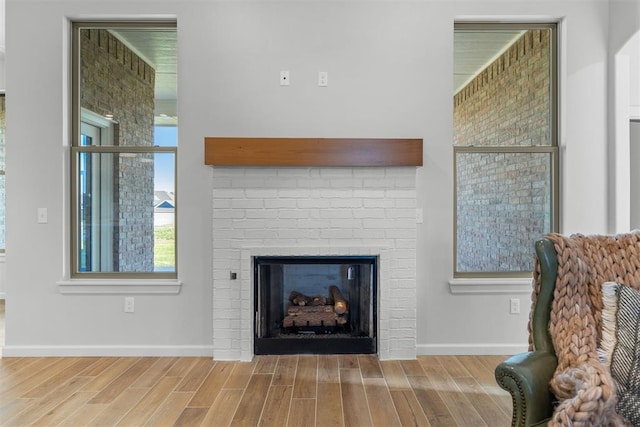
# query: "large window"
124,149
505,146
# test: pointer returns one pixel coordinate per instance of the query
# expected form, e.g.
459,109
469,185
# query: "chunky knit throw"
583,386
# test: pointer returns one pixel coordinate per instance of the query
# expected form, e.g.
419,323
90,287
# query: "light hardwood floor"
322,390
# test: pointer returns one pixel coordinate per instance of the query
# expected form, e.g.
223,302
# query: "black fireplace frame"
326,344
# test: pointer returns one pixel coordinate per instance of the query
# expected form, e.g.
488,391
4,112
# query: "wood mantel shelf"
312,152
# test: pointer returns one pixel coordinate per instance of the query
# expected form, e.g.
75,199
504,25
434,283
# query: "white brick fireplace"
313,211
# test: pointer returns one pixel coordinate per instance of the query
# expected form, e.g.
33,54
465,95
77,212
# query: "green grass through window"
164,246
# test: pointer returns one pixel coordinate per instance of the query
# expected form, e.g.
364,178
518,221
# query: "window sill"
491,286
121,286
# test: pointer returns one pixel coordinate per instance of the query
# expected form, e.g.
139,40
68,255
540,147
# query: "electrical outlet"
129,305
514,306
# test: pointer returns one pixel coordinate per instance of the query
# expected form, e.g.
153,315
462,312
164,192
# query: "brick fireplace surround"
313,211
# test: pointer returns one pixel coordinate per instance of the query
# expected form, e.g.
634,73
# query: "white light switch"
419,216
42,216
323,78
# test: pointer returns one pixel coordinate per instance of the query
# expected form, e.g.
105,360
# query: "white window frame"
108,282
465,282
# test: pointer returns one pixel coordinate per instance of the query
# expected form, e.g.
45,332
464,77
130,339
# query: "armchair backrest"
548,263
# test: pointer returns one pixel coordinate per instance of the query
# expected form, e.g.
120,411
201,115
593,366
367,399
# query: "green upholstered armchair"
526,376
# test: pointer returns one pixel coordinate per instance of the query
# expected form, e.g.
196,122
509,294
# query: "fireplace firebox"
315,304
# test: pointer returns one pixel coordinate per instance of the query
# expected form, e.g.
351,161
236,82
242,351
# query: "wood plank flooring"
306,390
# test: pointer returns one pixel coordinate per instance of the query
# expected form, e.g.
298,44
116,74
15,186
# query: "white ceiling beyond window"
474,50
158,48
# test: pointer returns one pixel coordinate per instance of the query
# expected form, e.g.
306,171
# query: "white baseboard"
232,355
207,351
106,351
397,355
470,349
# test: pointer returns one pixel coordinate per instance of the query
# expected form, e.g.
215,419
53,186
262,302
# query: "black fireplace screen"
315,304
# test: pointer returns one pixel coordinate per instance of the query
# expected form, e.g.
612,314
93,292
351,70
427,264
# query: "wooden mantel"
312,152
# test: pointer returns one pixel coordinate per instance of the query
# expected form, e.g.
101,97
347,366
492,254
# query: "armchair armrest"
526,377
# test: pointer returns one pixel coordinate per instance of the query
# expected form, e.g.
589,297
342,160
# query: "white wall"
3,277
624,101
227,89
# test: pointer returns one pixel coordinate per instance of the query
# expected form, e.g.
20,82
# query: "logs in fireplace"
315,305
316,311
